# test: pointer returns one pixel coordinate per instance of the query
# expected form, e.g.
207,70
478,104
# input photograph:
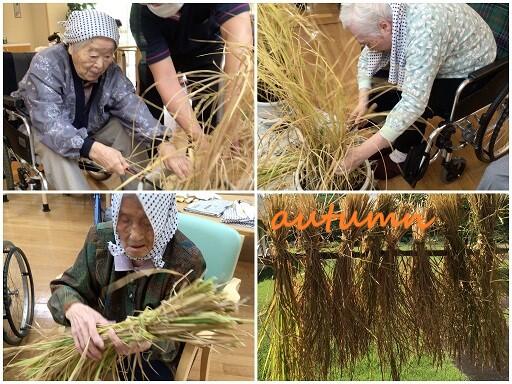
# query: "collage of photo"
255,191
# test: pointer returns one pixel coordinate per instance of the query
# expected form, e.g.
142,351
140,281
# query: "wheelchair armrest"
13,103
489,69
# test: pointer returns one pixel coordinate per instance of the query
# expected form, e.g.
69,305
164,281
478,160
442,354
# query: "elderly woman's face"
93,59
134,228
380,42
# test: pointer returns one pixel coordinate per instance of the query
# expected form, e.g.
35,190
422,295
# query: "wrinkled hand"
359,111
127,349
174,161
109,158
197,134
83,321
351,161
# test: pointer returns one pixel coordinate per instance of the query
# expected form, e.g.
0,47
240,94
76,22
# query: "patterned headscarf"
396,59
160,208
88,24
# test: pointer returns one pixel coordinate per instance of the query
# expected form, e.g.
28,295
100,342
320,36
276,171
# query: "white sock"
397,157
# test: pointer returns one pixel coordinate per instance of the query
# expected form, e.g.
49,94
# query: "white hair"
365,17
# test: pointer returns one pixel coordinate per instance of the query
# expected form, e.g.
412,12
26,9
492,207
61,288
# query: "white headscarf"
88,24
396,59
160,208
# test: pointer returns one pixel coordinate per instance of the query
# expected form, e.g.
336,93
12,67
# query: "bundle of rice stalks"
315,304
459,301
185,317
224,160
280,320
489,347
293,67
348,316
392,329
424,293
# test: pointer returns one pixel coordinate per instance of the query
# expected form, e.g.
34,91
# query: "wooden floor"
51,242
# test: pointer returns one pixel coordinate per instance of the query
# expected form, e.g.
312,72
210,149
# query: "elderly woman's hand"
174,161
127,349
351,161
109,158
83,320
362,107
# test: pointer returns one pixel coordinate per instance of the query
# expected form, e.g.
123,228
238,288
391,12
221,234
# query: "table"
248,198
18,47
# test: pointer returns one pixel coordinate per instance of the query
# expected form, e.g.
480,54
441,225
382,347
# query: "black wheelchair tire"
19,330
484,122
9,178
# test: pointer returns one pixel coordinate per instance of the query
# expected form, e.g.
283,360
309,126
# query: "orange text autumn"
281,219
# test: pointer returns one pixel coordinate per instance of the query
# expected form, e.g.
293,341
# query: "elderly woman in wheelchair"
81,105
433,52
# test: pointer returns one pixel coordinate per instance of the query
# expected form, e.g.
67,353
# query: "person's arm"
77,284
41,89
73,296
237,34
135,115
174,96
425,54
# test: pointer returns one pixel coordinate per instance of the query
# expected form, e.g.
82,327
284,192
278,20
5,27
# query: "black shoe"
386,168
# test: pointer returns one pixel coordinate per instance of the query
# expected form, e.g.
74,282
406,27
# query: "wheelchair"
18,135
18,295
479,112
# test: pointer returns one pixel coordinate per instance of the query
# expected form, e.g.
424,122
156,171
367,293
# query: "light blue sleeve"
427,47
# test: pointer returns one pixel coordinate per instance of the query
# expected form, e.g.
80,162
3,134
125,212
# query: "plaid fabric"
93,270
496,15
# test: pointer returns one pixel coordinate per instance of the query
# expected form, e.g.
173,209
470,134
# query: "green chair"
220,246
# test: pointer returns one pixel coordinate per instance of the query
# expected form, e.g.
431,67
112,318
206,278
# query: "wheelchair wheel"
18,294
492,137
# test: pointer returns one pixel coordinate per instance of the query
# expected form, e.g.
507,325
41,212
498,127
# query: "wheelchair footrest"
416,164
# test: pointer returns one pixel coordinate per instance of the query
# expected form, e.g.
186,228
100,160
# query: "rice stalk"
293,67
280,322
348,316
425,299
224,159
197,314
491,347
315,303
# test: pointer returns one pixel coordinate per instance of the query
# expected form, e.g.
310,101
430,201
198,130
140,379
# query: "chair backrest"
480,89
219,244
16,64
496,15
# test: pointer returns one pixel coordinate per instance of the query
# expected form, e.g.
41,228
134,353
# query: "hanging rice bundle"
315,300
197,314
459,301
490,346
392,329
348,318
280,320
425,298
